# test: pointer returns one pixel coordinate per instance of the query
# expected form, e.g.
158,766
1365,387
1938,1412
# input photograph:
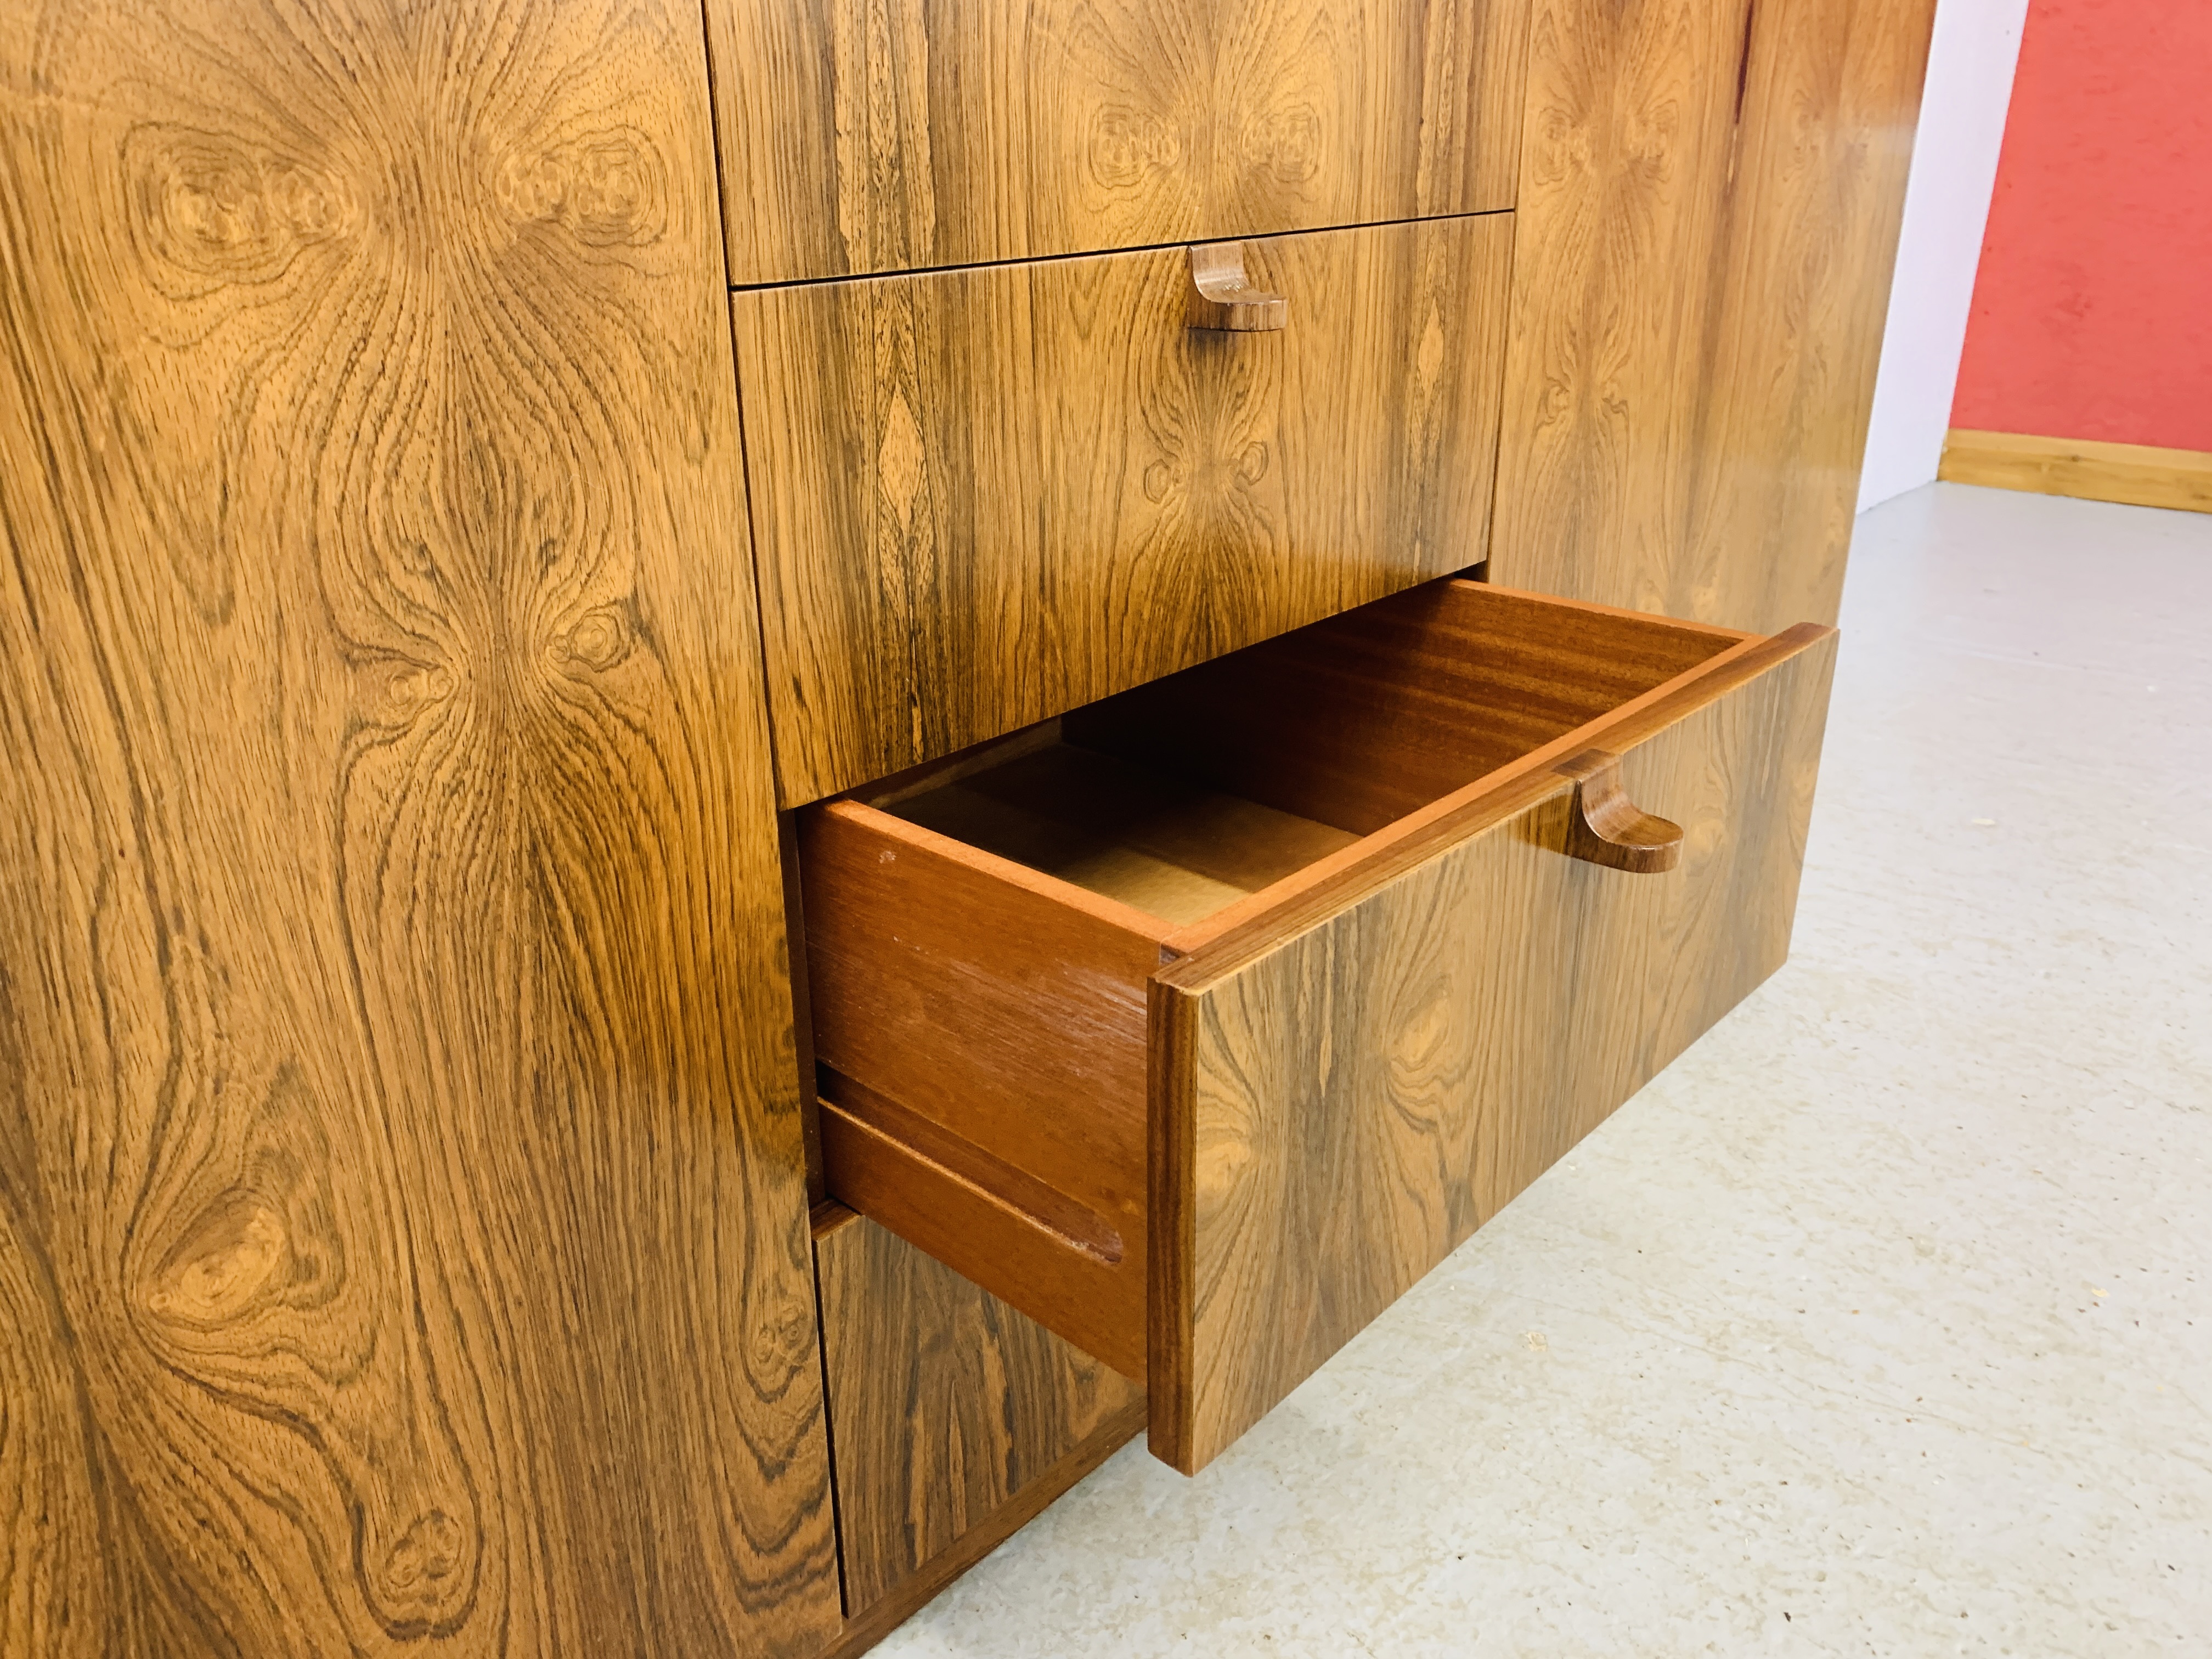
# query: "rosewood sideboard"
767,771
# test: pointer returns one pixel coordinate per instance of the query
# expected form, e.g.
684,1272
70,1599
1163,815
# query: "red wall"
2093,309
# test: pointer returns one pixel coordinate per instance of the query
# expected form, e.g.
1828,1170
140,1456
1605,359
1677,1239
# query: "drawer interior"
1163,844
1185,796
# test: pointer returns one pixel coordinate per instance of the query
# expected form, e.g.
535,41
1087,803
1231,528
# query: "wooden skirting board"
2137,474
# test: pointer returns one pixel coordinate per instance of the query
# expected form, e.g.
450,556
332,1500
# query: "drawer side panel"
980,1036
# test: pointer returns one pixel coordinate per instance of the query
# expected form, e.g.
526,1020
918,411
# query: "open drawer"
1201,1022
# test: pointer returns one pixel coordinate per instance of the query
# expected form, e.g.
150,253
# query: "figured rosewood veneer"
948,1410
860,139
402,1217
983,497
1712,192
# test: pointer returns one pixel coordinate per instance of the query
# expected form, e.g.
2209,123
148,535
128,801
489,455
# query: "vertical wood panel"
945,1403
1334,1115
402,1212
1711,197
863,136
1624,156
1830,102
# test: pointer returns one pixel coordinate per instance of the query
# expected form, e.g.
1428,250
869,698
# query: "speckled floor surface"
1881,1323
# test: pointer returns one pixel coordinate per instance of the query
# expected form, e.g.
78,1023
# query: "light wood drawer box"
865,138
981,498
1202,1022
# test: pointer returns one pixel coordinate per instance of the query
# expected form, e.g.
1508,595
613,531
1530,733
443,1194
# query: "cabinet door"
402,1234
956,1418
1710,202
863,136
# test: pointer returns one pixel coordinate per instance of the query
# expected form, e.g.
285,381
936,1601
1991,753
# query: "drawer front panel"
983,498
947,1408
867,138
1335,1110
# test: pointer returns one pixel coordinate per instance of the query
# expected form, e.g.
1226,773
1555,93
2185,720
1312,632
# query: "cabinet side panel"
402,1234
945,1405
1830,103
1709,212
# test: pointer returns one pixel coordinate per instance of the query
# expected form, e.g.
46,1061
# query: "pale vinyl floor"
1882,1322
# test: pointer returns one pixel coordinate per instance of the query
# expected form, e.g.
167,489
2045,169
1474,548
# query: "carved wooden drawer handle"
1609,828
1223,297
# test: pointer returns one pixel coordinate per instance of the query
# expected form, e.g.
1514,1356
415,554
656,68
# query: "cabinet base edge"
874,1623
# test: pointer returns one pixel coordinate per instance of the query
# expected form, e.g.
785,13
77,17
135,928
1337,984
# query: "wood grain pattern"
1336,1109
1173,849
1008,1009
863,136
402,1210
870,1626
1711,197
1028,1025
1360,719
945,1405
981,498
2139,475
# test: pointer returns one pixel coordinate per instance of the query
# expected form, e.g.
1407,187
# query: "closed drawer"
1201,1023
983,498
861,139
